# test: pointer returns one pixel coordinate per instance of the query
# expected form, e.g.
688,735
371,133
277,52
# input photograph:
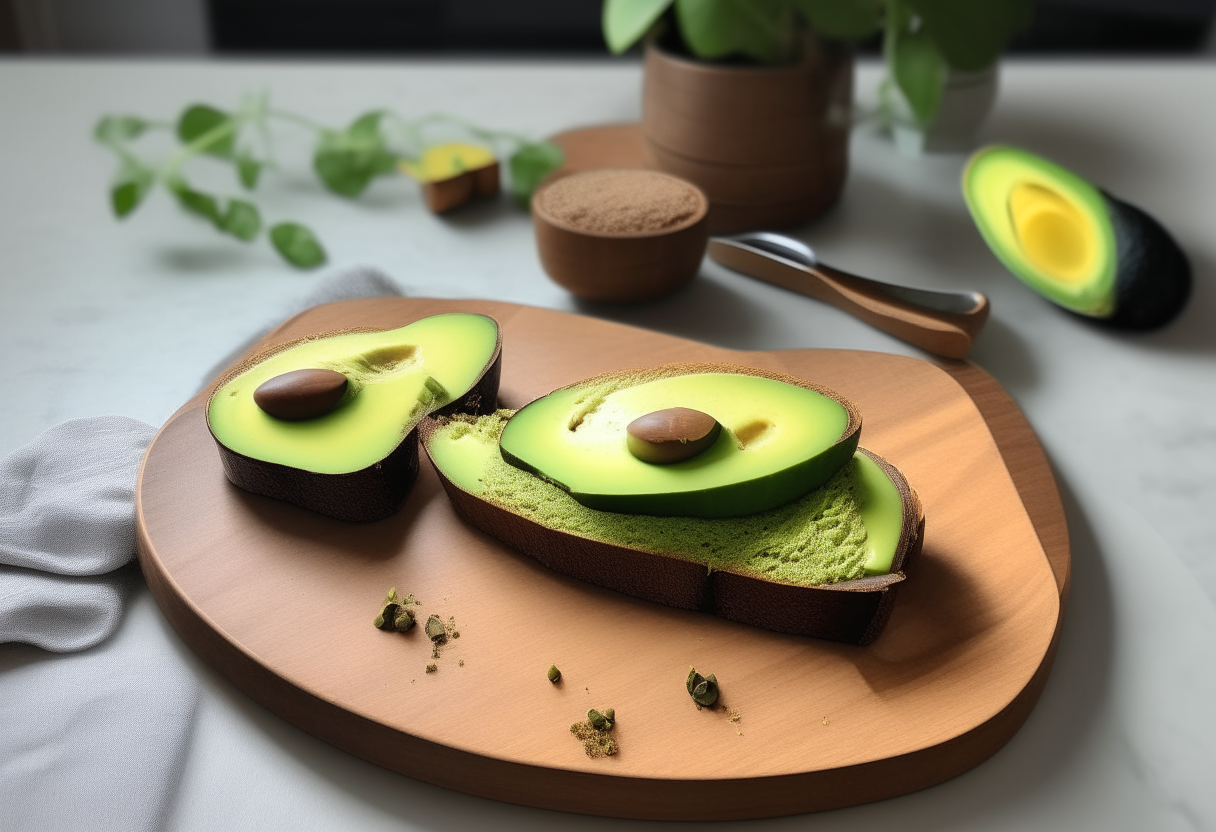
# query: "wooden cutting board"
281,602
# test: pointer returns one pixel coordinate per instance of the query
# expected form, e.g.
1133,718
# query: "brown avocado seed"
301,394
671,435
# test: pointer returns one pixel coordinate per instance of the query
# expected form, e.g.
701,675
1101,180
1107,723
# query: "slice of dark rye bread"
853,611
363,496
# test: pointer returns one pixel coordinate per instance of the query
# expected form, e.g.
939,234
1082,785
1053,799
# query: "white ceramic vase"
966,102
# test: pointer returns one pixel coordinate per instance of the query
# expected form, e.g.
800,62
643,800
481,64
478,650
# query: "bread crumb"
596,743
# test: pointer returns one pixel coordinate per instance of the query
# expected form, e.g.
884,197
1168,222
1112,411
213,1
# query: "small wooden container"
620,235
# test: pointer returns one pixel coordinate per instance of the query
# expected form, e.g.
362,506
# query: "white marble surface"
98,316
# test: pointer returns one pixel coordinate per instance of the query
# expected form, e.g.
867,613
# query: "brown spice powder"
621,201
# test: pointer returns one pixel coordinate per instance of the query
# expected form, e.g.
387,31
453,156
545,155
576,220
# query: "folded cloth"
67,517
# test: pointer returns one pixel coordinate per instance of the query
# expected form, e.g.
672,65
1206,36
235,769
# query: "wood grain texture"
963,659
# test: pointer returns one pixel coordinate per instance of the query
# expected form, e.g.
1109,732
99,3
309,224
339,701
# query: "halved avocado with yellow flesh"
780,437
826,564
1076,245
357,460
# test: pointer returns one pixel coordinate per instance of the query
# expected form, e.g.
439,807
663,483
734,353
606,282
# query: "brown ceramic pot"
769,142
620,267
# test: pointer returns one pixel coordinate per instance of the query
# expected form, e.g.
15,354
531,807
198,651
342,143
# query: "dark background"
499,27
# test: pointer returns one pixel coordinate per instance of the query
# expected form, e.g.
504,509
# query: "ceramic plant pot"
768,145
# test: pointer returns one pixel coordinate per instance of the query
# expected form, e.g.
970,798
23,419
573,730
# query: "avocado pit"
671,435
301,394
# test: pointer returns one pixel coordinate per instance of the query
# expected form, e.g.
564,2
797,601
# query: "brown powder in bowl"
621,202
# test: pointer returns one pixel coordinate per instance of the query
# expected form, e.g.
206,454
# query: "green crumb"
597,741
460,662
702,689
435,630
819,538
395,615
554,674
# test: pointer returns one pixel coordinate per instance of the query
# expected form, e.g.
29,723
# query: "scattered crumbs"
587,689
460,662
431,667
734,718
596,742
825,720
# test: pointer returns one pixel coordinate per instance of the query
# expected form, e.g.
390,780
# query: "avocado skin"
364,496
1153,277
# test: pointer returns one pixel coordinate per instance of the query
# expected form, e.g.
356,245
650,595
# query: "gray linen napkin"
97,737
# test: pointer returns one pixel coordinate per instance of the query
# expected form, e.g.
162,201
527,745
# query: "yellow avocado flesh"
778,441
1053,233
1047,225
467,455
448,160
395,377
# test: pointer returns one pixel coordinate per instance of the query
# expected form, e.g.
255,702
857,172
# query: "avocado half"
1076,245
780,438
740,568
358,461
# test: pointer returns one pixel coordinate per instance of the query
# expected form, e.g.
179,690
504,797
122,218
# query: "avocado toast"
820,560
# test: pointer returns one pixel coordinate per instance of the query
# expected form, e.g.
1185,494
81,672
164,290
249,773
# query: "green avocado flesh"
1047,225
777,442
395,377
847,528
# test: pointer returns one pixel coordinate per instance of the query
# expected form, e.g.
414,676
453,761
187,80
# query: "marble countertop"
99,316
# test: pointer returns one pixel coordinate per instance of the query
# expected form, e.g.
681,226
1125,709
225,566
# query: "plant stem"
295,118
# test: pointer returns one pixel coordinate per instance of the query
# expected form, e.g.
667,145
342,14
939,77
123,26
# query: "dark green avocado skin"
1153,277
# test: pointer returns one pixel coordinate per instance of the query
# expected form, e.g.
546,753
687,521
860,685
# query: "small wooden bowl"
619,266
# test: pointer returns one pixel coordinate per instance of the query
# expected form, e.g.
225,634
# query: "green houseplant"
923,40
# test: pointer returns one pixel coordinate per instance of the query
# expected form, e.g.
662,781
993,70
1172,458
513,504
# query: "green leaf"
248,169
625,22
347,161
297,245
529,165
241,220
758,29
196,202
198,120
115,129
366,126
130,187
849,20
920,71
969,34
